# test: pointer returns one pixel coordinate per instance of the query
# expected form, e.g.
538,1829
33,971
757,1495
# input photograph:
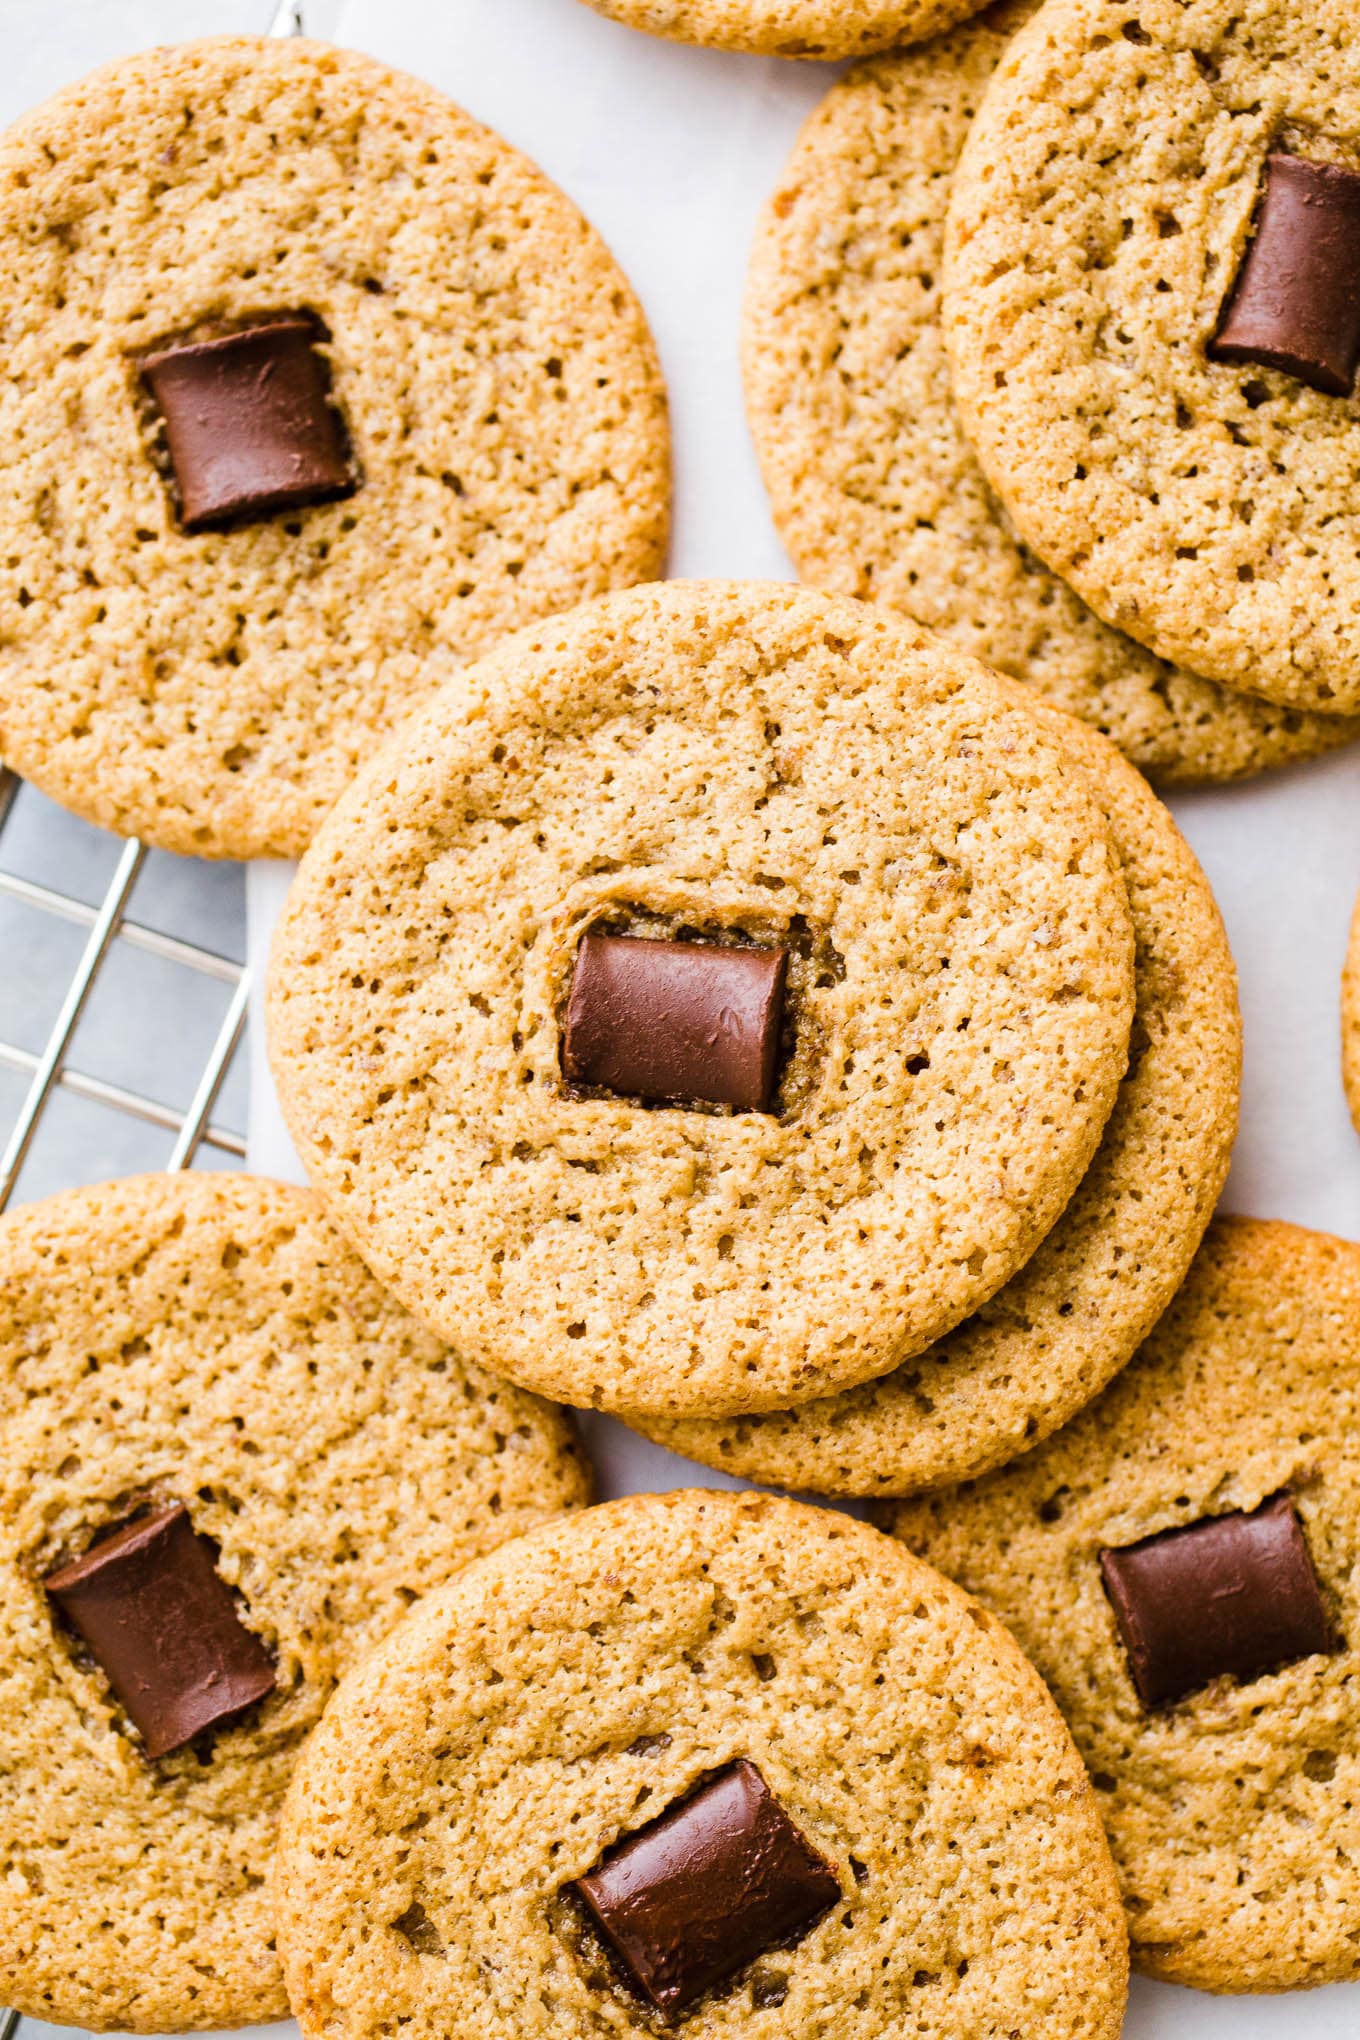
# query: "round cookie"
790,28
568,1691
1234,1810
875,489
1101,220
745,765
1350,1019
210,1340
1079,1308
498,396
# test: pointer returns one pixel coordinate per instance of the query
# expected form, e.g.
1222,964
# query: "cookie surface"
1233,1812
790,28
213,690
1350,1019
211,1340
875,489
1100,219
746,764
568,1691
1077,1310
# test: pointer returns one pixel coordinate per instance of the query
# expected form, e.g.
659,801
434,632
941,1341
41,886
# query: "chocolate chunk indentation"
1296,302
675,1022
249,423
151,1606
1235,1595
698,1894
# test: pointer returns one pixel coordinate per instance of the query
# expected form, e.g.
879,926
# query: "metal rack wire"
50,1070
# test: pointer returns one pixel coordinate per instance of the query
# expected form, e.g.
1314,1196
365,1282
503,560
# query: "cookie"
596,1772
564,1153
1350,1019
1181,1565
790,28
215,1428
1114,241
1079,1308
314,389
874,487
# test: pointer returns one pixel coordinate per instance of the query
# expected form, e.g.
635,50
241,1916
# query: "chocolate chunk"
1234,1595
1296,302
700,1893
249,423
676,1021
150,1604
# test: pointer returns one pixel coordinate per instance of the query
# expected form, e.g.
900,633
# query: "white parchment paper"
671,151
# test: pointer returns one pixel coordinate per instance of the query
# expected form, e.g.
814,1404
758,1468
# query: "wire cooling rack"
51,1068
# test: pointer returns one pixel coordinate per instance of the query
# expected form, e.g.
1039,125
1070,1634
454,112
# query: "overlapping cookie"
875,489
707,1761
708,1001
1152,319
791,28
1078,1309
1181,1565
228,1464
314,388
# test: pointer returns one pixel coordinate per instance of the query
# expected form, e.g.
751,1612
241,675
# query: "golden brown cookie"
790,28
1103,218
752,767
502,445
210,1341
1231,1797
875,489
1350,1019
1074,1314
585,1681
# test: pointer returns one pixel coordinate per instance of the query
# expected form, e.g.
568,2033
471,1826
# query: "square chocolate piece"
1296,302
152,1608
249,423
676,1022
1235,1595
718,1880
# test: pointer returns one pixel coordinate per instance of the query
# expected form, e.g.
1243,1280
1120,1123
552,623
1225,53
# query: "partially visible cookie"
1183,1565
791,28
875,489
655,800
228,567
209,1345
1350,1019
1073,1315
842,1737
1154,329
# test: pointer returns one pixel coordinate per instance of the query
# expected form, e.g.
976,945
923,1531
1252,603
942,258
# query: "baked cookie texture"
875,489
1092,1291
1099,219
1234,1813
212,1340
748,762
790,28
213,691
1350,1019
570,1689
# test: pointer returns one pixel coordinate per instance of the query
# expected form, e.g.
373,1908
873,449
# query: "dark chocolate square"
151,1606
1234,1596
249,423
676,1022
1295,304
699,1894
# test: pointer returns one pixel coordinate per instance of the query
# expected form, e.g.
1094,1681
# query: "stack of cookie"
1049,341
735,1010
